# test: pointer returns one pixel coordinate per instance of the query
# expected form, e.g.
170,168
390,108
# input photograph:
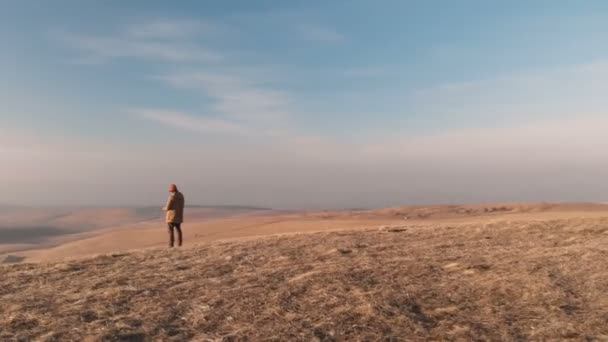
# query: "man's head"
172,188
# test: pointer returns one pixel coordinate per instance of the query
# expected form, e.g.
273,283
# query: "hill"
128,228
25,228
507,279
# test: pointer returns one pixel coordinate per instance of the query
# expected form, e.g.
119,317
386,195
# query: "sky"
303,104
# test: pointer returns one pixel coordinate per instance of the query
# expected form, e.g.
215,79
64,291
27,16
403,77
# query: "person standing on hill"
175,214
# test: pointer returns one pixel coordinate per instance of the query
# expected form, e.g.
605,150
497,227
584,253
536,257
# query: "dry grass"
511,281
43,229
204,225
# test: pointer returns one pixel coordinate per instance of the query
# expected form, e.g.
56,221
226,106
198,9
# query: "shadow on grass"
29,235
12,259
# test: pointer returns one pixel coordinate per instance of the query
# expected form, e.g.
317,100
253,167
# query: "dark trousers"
178,227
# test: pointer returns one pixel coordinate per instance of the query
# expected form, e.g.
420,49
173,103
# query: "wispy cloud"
239,105
164,41
189,122
169,29
369,72
320,34
234,96
241,101
542,94
532,143
550,160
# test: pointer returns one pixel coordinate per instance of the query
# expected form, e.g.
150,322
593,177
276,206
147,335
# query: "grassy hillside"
510,280
23,228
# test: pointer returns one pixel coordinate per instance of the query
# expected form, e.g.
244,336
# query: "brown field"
75,233
456,273
43,228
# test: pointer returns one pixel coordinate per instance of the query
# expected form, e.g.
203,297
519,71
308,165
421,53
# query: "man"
175,214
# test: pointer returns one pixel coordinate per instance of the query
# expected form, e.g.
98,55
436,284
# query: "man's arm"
169,205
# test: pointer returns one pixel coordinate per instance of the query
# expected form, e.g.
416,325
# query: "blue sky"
302,103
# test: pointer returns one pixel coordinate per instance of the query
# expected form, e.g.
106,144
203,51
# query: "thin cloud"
235,97
191,123
169,29
580,139
553,93
240,104
563,160
320,34
368,72
156,41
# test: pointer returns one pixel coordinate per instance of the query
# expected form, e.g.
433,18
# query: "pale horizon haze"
303,104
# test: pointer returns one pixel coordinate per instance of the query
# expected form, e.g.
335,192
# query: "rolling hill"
511,278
